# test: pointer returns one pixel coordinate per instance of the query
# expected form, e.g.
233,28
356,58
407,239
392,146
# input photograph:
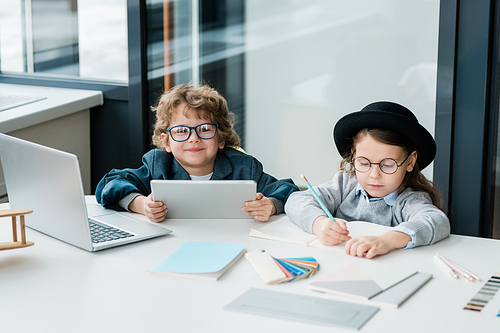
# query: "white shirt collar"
206,177
389,199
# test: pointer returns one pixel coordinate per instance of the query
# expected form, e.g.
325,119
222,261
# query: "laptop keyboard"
104,233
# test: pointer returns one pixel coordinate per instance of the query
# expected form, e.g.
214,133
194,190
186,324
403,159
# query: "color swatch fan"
279,270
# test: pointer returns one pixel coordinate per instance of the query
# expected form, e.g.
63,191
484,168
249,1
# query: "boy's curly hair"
203,100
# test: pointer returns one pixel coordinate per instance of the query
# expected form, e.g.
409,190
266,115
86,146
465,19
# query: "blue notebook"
203,260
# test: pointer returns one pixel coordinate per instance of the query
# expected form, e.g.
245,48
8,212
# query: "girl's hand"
371,246
329,232
153,210
261,208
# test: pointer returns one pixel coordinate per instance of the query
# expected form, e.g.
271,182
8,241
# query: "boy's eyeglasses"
182,133
387,165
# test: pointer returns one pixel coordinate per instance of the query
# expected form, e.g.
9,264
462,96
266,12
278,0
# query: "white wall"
309,62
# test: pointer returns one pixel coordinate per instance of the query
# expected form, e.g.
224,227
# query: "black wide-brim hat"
390,116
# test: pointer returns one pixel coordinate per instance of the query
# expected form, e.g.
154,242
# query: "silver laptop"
214,199
48,181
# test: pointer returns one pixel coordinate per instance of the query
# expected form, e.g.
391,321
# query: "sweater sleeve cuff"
278,204
410,233
126,200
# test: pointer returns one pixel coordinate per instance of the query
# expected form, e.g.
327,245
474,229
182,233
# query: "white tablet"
209,199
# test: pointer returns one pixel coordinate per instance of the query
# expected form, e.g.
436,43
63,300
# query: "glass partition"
291,68
191,41
308,63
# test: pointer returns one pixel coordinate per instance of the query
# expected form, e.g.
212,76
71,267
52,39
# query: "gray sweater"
412,213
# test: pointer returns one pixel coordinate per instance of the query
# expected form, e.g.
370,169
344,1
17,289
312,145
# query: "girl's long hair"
414,179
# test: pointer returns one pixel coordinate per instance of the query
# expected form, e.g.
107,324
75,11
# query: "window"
65,38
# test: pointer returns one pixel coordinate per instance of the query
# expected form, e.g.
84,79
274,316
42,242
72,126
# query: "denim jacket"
230,164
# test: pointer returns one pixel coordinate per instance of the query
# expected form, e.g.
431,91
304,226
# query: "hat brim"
349,125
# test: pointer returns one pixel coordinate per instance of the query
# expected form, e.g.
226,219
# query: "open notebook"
285,230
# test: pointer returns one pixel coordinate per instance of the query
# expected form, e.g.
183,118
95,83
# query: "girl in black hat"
383,148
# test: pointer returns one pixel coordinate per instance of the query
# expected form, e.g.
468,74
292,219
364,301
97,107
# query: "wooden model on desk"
15,244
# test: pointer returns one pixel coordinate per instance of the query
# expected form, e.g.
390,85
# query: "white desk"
56,103
55,287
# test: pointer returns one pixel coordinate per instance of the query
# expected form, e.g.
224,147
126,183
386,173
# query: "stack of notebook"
279,270
377,283
200,260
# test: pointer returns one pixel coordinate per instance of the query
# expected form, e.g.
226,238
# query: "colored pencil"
456,269
330,216
477,278
445,267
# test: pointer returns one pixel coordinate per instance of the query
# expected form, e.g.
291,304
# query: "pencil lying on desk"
321,203
458,269
445,267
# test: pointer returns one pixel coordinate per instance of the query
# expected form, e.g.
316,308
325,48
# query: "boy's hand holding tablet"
261,208
156,211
